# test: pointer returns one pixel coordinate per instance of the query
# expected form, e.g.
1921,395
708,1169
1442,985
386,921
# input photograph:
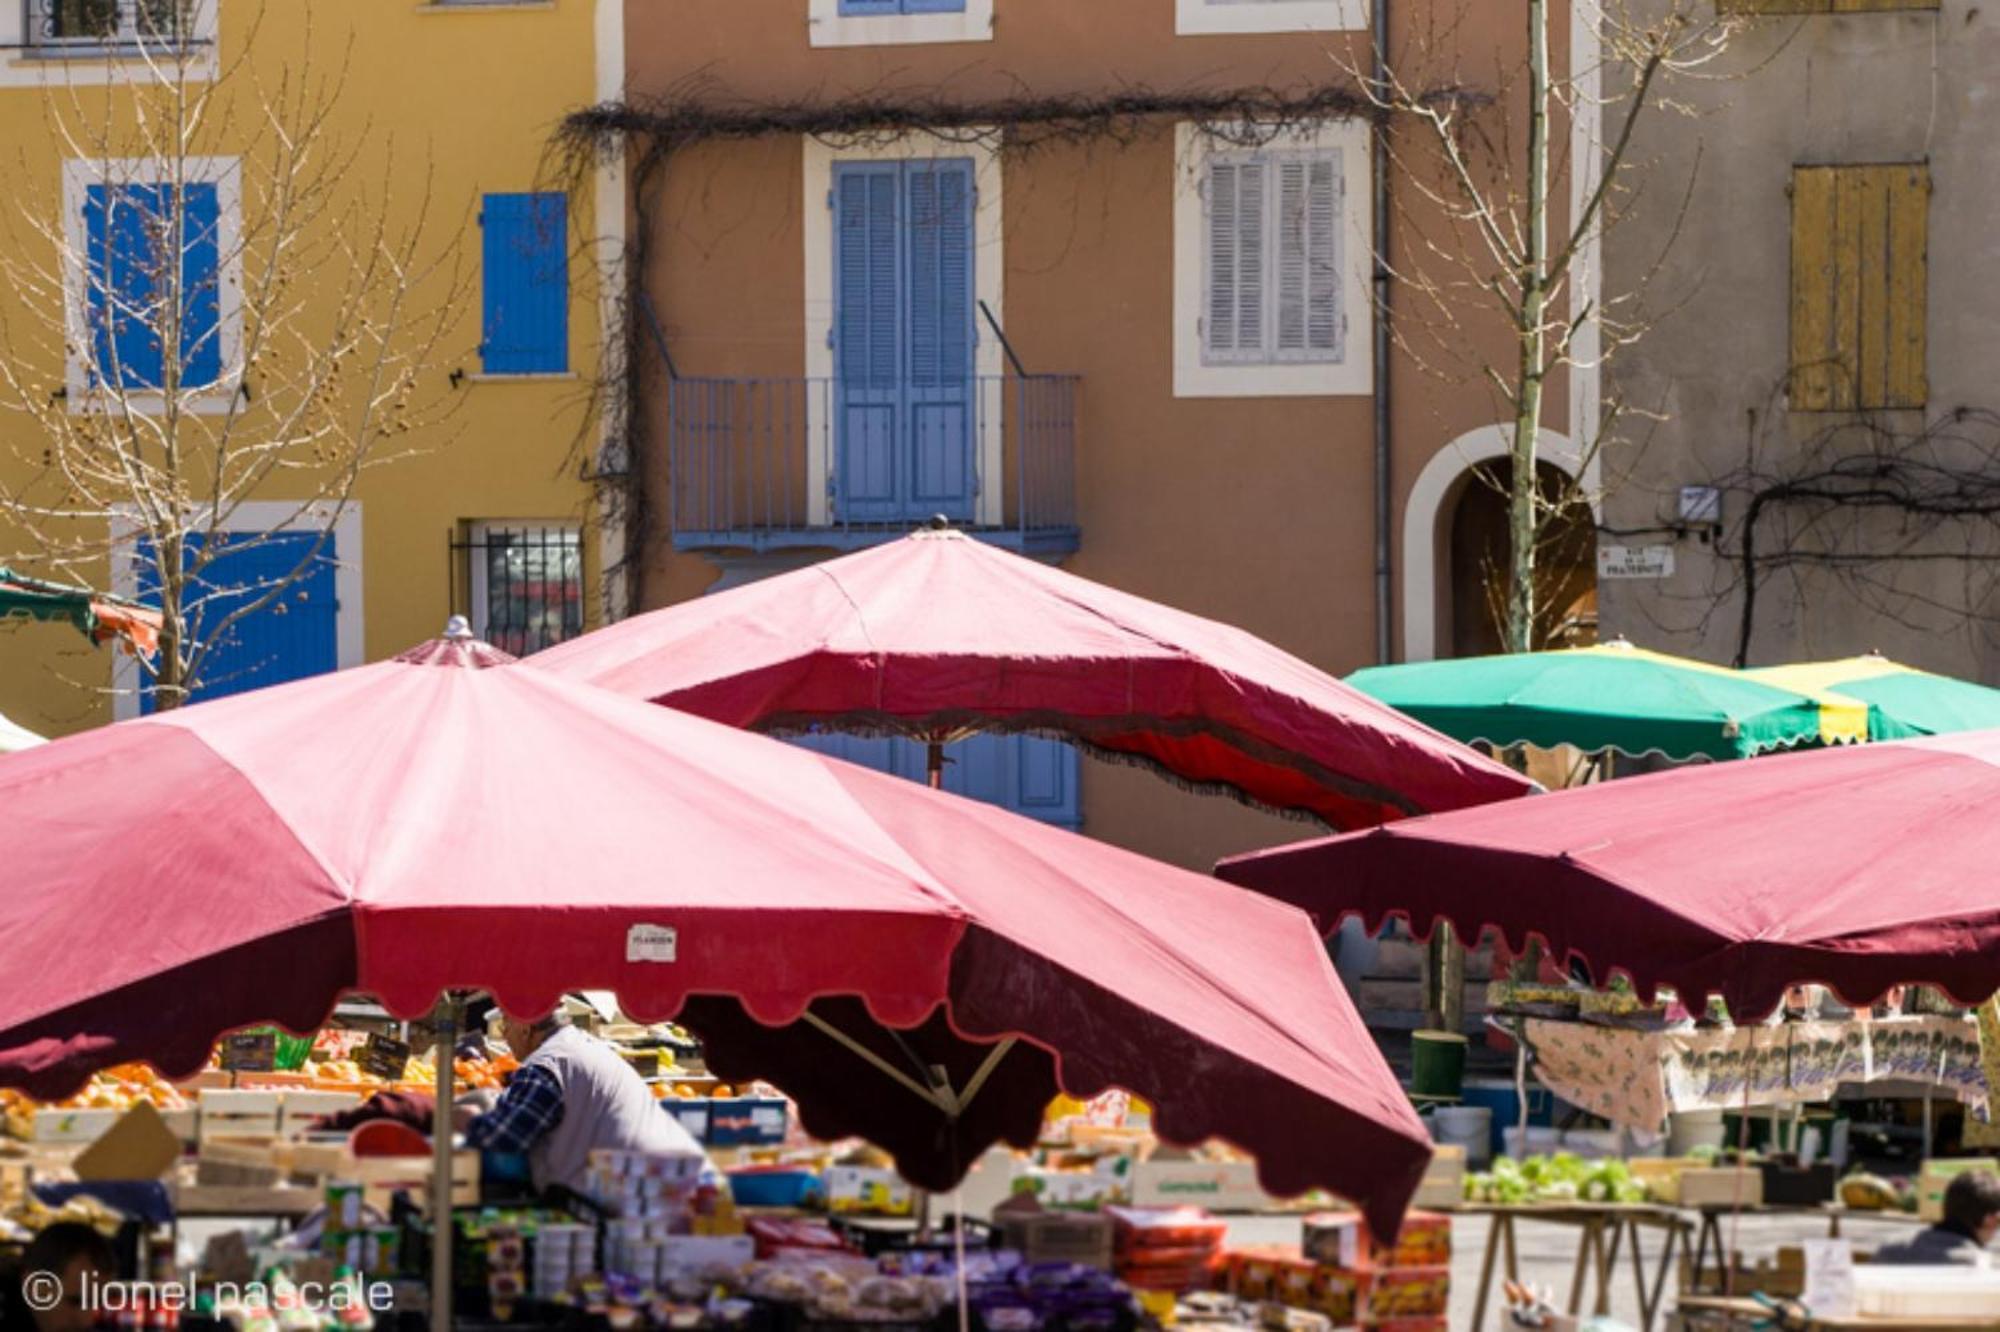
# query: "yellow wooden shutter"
1859,278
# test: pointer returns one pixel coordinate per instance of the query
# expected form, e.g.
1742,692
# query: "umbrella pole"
442,1129
934,762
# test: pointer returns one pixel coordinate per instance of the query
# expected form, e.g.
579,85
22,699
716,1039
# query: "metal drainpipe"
1379,182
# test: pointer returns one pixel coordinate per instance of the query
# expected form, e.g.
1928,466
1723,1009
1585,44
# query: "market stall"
1861,869
916,969
1637,1078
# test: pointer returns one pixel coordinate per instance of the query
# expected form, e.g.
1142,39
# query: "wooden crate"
233,1113
49,1125
302,1108
383,1176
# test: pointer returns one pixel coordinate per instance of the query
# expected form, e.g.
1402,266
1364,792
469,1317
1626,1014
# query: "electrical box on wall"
1701,504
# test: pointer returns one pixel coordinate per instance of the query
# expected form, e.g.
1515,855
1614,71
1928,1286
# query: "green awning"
96,617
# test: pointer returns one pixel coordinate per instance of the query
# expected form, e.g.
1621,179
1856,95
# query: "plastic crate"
747,1121
760,1186
690,1112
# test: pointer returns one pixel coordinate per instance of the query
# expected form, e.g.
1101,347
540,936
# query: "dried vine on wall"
1865,502
649,131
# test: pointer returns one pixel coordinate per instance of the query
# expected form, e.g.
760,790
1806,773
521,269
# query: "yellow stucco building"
436,125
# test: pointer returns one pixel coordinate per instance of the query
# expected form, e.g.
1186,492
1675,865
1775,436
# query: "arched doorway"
1565,563
1425,573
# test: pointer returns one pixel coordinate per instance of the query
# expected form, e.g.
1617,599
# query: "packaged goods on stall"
1398,1293
872,1189
1166,1248
1342,1239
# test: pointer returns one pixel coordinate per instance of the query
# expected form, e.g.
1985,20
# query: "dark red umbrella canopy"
937,633
423,824
1859,869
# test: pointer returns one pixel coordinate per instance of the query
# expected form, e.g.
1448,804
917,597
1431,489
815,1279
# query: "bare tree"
214,309
1512,239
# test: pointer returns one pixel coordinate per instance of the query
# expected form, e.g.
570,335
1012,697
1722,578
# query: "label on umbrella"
383,1057
250,1051
651,943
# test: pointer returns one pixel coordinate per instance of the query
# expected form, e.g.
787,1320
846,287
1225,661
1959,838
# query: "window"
897,22
93,26
155,281
1273,279
526,584
525,251
1202,17
1859,278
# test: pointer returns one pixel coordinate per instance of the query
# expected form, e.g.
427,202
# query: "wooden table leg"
1607,1264
1513,1258
1649,1308
1588,1245
1486,1271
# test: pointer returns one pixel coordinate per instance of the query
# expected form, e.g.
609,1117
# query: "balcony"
60,28
782,463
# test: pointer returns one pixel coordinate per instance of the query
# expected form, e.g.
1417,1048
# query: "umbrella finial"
457,628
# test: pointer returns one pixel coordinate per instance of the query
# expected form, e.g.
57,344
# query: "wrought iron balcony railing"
768,463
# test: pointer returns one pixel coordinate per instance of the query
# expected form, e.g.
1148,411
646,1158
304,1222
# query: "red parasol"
1859,869
919,968
937,634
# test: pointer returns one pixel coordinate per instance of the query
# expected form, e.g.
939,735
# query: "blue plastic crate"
692,1112
747,1121
761,1186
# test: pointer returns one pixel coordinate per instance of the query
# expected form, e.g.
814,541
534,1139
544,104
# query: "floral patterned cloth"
1636,1078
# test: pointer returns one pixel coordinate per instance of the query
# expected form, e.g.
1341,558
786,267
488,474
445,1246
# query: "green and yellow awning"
1906,701
1614,697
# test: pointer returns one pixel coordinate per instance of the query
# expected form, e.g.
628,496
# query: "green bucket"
1437,1065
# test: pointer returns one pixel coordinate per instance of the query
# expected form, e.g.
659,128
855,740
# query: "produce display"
1560,1178
118,1088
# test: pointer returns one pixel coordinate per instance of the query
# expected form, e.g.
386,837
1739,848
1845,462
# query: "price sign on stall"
383,1057
250,1051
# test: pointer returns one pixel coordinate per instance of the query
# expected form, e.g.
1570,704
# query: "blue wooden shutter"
933,6
525,252
868,335
201,287
130,262
1026,774
295,636
940,199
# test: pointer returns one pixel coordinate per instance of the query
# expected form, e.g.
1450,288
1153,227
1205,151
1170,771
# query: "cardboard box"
1342,1239
1055,1237
1220,1186
1721,1186
1937,1175
138,1146
1444,1182
1396,1293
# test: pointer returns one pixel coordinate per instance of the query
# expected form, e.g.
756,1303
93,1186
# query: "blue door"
1023,773
295,636
903,340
